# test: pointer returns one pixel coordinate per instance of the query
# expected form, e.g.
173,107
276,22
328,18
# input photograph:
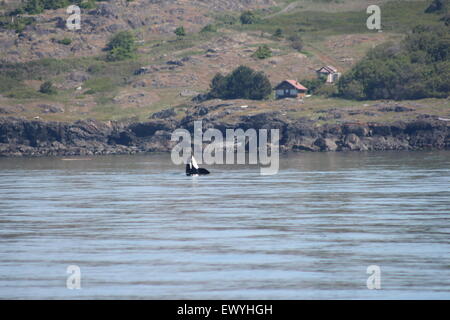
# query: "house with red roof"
290,89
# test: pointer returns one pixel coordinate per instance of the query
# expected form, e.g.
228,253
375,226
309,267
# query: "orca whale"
192,168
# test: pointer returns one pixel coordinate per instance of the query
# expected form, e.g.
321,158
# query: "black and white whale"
192,168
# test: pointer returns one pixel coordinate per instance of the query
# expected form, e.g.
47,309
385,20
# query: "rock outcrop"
20,137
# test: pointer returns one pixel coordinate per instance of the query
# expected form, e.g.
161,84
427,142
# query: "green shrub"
278,33
296,42
95,68
47,88
248,17
352,90
242,83
88,5
119,54
38,6
313,84
16,11
65,41
262,52
33,7
180,32
15,23
55,4
122,46
326,90
437,6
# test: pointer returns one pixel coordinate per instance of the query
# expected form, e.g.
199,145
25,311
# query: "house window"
293,92
336,76
280,92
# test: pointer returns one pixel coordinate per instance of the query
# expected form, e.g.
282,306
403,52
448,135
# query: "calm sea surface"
138,228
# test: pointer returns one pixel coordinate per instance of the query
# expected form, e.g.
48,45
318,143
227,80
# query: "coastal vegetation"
242,83
416,68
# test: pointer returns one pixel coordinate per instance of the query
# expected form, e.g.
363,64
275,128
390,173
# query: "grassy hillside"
88,86
397,17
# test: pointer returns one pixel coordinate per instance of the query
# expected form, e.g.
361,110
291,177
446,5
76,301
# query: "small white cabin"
330,73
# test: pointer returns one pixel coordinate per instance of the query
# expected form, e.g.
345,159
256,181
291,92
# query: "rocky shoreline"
21,137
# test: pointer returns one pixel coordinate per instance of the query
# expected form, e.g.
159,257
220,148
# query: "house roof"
328,69
295,84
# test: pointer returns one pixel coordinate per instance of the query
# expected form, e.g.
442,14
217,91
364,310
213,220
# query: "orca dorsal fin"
194,162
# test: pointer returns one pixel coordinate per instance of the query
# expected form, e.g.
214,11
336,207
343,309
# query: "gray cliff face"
19,137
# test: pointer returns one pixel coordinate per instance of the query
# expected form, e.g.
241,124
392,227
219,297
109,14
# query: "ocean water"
137,228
